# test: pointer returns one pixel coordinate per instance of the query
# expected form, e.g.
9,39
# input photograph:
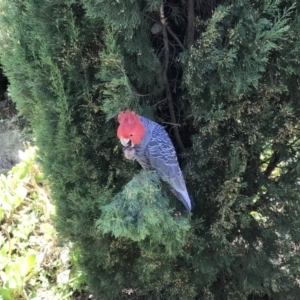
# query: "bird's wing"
162,157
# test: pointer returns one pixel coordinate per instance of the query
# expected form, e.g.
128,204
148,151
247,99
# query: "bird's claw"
129,153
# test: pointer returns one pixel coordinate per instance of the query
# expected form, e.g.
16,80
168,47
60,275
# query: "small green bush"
227,72
32,265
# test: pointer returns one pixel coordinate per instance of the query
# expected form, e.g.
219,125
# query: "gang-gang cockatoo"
148,143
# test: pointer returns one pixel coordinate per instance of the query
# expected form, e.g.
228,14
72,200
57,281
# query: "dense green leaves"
73,65
140,211
32,264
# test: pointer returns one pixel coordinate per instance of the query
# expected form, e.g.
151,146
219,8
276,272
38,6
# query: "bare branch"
273,163
161,101
170,31
165,77
175,37
171,124
191,17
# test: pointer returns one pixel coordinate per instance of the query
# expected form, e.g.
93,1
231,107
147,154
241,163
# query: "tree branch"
191,17
170,31
273,163
175,37
165,77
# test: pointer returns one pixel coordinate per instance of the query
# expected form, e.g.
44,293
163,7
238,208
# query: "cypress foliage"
228,73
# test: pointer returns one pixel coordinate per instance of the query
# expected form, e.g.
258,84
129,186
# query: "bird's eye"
131,135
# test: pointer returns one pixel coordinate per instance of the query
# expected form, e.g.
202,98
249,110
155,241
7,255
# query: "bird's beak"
126,142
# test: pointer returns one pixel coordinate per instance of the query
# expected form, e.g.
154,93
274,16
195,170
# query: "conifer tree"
223,77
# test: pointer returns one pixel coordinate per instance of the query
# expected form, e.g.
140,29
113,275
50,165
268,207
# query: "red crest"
131,126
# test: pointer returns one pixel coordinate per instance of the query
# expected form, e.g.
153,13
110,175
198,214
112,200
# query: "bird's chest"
140,156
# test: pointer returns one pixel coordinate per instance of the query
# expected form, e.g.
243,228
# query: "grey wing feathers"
162,157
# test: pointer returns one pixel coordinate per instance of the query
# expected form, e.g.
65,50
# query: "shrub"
228,73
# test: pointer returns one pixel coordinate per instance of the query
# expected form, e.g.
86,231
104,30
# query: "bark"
165,76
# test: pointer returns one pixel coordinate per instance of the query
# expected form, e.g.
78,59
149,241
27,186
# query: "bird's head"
131,129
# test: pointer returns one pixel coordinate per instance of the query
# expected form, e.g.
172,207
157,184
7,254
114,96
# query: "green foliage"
130,67
118,92
73,65
246,108
141,212
28,267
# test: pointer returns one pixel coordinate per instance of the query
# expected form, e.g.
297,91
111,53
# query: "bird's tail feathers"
184,197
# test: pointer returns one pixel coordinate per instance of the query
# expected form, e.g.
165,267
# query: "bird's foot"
129,153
